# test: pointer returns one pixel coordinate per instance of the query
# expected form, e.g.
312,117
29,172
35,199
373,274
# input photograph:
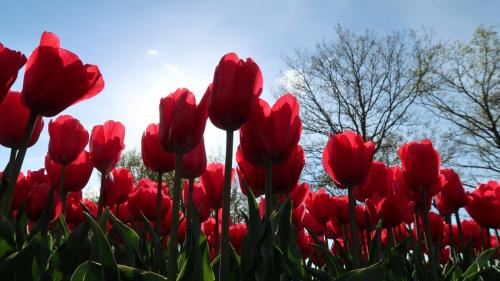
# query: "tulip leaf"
105,255
21,223
133,274
7,243
69,255
288,241
129,251
88,271
159,261
477,266
250,257
321,275
196,265
375,272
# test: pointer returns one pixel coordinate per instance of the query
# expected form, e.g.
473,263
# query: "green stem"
224,258
420,252
460,233
158,204
62,193
172,245
353,226
102,194
428,238
268,186
17,164
190,211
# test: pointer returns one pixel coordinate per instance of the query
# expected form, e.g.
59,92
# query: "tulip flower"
376,184
347,159
13,111
236,85
38,198
106,146
285,175
11,61
199,199
118,186
15,120
452,195
298,194
271,134
24,185
319,205
213,182
68,138
483,204
56,78
194,162
182,122
74,210
77,173
141,198
237,233
154,156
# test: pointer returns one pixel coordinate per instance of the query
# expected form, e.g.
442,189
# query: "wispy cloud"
153,53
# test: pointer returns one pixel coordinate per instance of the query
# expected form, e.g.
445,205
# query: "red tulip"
106,145
319,204
123,212
297,216
118,186
194,162
11,61
471,232
38,199
25,184
306,244
56,78
298,194
213,182
452,195
285,175
395,208
143,197
420,165
199,198
436,224
68,138
237,233
271,134
76,174
310,222
340,209
154,156
74,210
236,85
483,204
182,122
13,119
376,184
347,158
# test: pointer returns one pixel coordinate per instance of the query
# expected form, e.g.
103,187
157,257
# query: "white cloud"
288,78
153,53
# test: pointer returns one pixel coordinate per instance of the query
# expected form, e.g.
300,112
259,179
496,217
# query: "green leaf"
159,261
129,251
250,254
321,275
375,272
105,256
134,274
481,261
7,242
88,271
288,241
69,255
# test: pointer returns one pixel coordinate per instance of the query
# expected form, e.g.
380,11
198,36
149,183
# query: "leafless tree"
359,82
468,99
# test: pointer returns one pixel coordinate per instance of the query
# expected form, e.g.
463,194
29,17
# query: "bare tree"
359,82
468,99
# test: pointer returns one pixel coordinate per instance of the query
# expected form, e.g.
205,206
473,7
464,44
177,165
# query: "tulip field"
413,221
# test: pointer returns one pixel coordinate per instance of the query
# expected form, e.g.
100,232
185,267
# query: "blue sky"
147,49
